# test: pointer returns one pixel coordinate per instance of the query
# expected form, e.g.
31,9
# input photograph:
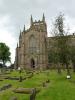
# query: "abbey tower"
31,53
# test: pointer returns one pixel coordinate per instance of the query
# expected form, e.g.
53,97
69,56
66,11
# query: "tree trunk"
63,67
58,67
3,63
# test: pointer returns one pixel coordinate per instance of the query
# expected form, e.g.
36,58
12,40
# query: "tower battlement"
39,25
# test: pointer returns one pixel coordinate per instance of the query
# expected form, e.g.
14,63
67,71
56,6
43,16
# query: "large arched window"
32,44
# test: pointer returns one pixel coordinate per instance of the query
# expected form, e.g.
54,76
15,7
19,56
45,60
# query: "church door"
32,63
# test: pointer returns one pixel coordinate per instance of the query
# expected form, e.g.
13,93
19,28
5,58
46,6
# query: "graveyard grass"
59,87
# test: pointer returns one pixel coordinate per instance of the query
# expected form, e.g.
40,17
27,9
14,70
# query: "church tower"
32,49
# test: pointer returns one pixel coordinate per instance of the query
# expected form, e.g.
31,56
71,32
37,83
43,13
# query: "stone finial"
31,20
17,44
20,34
43,18
24,28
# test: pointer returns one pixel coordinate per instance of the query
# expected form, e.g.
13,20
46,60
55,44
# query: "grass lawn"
59,87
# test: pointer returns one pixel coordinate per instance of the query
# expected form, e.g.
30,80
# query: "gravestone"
47,81
33,95
6,86
20,80
44,84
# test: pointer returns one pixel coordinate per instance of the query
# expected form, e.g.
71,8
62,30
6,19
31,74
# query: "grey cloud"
20,10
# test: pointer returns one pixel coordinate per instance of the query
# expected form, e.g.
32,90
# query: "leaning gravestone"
6,86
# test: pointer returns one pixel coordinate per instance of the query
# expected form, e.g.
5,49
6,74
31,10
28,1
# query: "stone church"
34,46
31,53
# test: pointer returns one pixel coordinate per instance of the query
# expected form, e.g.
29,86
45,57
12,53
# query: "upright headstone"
33,95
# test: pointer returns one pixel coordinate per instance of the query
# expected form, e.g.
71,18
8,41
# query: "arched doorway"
32,63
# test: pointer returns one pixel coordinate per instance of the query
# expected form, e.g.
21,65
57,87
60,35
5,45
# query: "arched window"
32,44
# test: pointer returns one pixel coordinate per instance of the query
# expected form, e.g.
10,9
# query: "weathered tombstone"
1,79
20,80
33,95
44,84
6,86
48,81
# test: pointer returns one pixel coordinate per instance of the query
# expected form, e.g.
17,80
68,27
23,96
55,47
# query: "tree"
52,56
72,55
62,42
4,53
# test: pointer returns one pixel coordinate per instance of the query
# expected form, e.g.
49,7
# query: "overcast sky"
15,13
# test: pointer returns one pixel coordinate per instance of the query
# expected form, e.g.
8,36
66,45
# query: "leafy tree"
4,53
52,56
62,42
72,55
